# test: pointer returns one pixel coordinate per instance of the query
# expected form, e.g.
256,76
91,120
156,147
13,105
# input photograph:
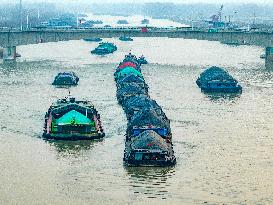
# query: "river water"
223,144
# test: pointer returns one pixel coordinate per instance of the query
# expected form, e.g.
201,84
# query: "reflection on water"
222,143
153,182
65,147
221,97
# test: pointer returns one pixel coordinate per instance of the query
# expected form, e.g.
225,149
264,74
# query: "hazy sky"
144,1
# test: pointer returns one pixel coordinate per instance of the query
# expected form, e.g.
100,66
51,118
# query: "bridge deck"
15,38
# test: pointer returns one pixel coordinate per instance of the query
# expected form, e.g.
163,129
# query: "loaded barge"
148,135
68,119
104,48
66,79
216,79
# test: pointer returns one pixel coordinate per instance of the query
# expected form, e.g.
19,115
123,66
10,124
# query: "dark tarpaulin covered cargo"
130,90
216,79
149,140
148,134
148,118
215,73
141,102
130,78
66,78
143,86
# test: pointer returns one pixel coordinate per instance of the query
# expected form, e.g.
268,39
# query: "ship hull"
74,136
142,163
222,90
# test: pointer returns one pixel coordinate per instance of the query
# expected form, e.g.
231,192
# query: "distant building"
65,20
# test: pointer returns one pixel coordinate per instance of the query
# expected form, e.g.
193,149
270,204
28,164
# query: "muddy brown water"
223,144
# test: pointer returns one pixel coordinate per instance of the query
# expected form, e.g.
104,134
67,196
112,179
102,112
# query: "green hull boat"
68,119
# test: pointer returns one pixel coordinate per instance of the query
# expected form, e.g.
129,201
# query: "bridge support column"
9,54
269,57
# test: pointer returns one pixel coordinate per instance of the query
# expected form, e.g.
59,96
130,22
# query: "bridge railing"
15,37
130,28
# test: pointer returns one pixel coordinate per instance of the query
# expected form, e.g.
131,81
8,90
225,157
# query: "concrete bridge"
12,38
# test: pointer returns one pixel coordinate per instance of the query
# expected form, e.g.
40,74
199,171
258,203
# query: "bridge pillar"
269,57
9,53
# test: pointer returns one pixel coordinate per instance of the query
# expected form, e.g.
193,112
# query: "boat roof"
63,106
75,118
128,70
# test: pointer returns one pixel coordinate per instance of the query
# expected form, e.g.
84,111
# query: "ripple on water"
152,182
222,143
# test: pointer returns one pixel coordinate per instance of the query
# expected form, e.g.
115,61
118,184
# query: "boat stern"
149,158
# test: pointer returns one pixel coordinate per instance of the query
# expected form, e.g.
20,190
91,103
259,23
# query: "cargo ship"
148,148
145,21
104,48
215,79
148,136
140,102
125,38
93,39
122,21
142,60
69,119
66,79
